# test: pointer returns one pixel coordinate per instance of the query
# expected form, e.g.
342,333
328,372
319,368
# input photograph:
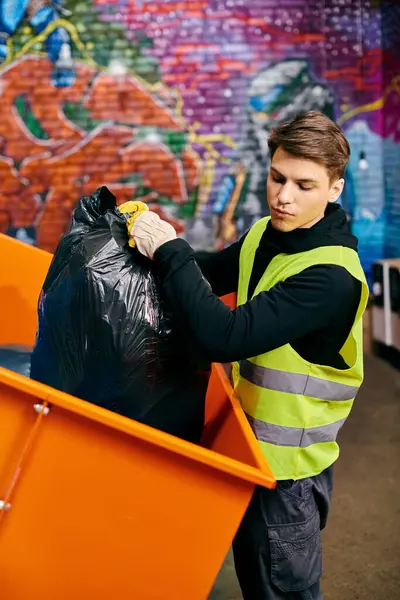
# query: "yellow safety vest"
295,407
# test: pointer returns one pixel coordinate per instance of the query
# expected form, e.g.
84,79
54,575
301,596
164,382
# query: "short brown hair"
313,136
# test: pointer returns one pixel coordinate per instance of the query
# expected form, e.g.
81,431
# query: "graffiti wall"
171,102
390,12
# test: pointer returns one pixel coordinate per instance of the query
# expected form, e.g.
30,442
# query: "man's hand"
150,232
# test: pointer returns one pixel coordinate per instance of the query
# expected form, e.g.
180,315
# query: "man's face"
298,191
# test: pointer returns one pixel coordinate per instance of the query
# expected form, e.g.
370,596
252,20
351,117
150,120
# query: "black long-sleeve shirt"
313,311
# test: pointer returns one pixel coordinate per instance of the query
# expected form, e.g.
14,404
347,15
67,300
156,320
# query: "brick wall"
170,101
390,114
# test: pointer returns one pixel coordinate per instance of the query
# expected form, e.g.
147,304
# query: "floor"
362,539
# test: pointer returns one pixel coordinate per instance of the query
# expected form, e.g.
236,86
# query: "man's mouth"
282,213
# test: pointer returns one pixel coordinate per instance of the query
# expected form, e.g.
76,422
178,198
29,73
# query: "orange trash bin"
97,506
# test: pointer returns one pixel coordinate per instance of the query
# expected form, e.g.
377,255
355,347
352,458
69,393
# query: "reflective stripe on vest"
294,436
296,383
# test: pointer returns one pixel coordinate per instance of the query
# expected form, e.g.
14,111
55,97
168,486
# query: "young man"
295,338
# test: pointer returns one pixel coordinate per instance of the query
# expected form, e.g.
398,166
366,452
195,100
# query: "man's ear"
336,189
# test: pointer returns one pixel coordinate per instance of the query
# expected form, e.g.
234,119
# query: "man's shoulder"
334,280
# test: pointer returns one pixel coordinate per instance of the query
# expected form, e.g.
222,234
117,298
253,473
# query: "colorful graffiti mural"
172,102
62,143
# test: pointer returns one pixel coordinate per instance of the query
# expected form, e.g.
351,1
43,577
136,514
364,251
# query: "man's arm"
221,269
291,310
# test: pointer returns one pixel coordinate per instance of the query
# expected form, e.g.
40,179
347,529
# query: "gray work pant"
277,549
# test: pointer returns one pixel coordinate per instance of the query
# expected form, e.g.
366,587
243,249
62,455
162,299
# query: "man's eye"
305,188
278,180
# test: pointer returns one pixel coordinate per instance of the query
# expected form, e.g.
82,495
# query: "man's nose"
285,194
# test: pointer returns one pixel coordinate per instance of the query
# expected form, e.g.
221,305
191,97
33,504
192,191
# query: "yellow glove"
133,208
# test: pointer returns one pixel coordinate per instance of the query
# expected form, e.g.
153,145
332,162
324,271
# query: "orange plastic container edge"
262,477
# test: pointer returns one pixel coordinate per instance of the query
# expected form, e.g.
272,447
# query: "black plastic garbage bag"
16,358
104,333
